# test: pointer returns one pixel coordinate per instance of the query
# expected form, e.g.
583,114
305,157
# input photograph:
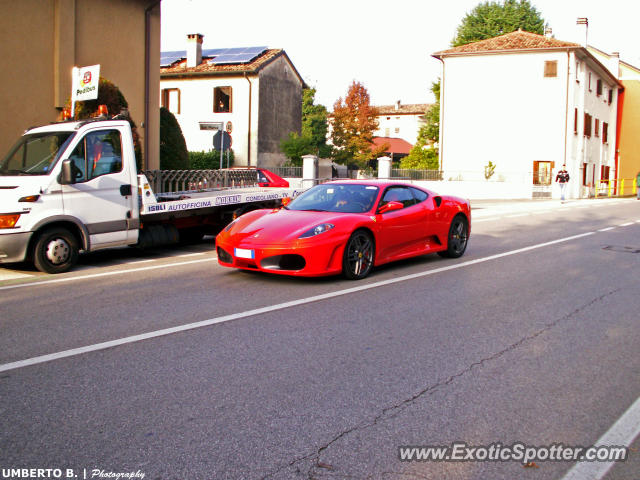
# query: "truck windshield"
35,154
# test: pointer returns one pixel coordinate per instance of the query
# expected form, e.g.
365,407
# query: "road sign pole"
221,143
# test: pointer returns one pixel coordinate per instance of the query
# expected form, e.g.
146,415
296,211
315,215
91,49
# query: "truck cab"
67,187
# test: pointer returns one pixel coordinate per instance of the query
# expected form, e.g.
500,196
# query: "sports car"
346,227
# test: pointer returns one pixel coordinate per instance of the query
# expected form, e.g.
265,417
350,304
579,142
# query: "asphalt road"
531,337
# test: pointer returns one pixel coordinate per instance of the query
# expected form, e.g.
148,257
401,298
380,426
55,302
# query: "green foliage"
354,122
111,96
421,158
209,160
295,146
313,139
489,170
173,149
490,19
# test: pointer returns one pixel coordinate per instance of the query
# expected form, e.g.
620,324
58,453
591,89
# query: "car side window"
419,195
398,194
98,153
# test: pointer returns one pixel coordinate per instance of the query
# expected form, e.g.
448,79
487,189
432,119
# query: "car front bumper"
303,258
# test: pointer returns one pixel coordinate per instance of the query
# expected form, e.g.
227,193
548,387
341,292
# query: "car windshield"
35,154
332,197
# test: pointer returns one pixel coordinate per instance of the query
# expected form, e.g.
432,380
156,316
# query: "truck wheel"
55,251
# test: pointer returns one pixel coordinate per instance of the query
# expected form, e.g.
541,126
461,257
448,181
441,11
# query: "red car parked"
346,227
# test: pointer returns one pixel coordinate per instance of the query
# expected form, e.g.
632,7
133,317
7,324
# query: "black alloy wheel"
358,255
458,238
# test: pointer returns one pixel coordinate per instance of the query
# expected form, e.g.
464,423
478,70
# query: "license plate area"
244,253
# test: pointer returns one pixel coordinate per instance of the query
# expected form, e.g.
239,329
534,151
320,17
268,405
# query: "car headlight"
317,230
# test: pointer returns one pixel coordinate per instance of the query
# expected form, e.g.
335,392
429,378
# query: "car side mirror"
390,207
66,175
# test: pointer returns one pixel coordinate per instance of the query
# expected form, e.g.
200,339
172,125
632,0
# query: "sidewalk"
484,208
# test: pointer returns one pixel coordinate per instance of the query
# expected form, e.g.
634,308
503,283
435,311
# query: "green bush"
209,160
173,149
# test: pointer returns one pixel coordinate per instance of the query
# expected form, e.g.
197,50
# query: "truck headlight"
9,220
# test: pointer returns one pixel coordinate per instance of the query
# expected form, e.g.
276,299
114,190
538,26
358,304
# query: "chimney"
584,21
194,49
614,64
398,105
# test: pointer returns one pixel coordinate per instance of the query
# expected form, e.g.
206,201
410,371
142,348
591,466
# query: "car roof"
372,182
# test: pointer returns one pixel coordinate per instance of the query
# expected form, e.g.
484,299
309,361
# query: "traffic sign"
221,141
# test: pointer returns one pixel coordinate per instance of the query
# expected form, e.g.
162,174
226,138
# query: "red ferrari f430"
346,227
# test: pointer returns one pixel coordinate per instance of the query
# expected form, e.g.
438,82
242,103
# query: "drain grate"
618,248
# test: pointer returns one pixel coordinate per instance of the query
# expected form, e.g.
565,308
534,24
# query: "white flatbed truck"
74,186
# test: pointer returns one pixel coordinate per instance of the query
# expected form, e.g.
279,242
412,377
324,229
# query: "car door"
99,198
401,232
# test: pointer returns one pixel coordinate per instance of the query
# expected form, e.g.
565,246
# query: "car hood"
283,226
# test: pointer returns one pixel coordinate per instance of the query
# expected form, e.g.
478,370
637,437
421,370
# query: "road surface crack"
317,469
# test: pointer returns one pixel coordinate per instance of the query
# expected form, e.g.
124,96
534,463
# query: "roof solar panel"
222,56
237,55
167,58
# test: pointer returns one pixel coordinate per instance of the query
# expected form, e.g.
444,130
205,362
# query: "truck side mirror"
66,175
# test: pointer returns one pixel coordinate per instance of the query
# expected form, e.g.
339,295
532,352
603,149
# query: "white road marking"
606,229
621,433
518,215
106,274
272,308
626,224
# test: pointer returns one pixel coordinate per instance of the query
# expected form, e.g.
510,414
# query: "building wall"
629,160
404,126
279,111
500,108
583,149
41,41
196,108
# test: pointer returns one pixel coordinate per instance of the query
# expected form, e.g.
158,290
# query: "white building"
401,121
528,104
255,92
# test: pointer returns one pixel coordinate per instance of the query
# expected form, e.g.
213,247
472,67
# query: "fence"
616,188
290,172
461,175
175,181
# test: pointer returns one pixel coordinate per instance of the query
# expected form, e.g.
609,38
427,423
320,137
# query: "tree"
111,96
173,148
354,122
313,139
490,19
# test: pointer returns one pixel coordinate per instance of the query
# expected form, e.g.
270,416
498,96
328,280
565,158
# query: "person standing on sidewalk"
638,185
563,178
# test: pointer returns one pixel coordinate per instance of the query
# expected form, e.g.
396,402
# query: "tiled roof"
415,108
518,40
180,68
396,145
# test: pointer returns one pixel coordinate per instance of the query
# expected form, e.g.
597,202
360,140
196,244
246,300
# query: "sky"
385,45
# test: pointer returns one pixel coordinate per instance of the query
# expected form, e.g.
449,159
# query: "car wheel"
358,255
55,251
458,238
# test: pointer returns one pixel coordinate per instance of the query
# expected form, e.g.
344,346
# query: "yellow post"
597,188
610,189
621,188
